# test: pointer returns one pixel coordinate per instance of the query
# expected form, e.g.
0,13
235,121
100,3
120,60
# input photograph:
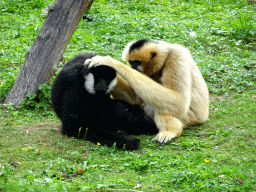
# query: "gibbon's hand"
101,60
164,137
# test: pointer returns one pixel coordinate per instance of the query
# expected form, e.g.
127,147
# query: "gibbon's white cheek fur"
89,83
112,85
149,110
140,68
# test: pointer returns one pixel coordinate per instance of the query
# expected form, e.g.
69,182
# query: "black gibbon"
165,81
81,99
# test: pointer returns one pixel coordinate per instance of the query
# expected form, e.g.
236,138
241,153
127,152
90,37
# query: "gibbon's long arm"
164,100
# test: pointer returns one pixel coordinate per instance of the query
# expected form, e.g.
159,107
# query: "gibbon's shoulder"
73,70
76,64
78,60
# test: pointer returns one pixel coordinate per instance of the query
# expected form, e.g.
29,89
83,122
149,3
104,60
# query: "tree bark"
90,4
43,57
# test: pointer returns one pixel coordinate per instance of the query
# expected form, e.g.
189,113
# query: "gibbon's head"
146,56
99,80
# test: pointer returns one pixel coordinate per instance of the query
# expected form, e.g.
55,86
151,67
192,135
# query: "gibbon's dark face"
137,65
141,55
100,80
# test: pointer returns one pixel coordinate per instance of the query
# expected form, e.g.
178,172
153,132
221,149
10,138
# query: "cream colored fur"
172,90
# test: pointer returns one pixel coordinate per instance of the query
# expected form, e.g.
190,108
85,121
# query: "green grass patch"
217,156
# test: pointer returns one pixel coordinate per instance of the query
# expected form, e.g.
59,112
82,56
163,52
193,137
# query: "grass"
217,156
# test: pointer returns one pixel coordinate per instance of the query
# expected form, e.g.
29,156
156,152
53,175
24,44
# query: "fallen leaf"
44,10
14,163
79,170
239,181
137,186
252,1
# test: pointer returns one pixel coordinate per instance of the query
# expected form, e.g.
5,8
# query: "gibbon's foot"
124,141
164,137
121,133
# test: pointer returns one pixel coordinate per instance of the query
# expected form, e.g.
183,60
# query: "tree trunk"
43,57
90,4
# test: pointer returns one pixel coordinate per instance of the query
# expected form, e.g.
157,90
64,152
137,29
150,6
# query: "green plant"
216,156
41,100
242,27
7,79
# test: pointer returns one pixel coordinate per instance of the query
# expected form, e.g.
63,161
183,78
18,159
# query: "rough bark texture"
89,6
43,57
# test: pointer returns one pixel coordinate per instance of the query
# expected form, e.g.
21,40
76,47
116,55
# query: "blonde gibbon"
165,81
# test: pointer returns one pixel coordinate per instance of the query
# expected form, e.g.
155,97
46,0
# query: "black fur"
153,54
138,44
135,64
96,117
